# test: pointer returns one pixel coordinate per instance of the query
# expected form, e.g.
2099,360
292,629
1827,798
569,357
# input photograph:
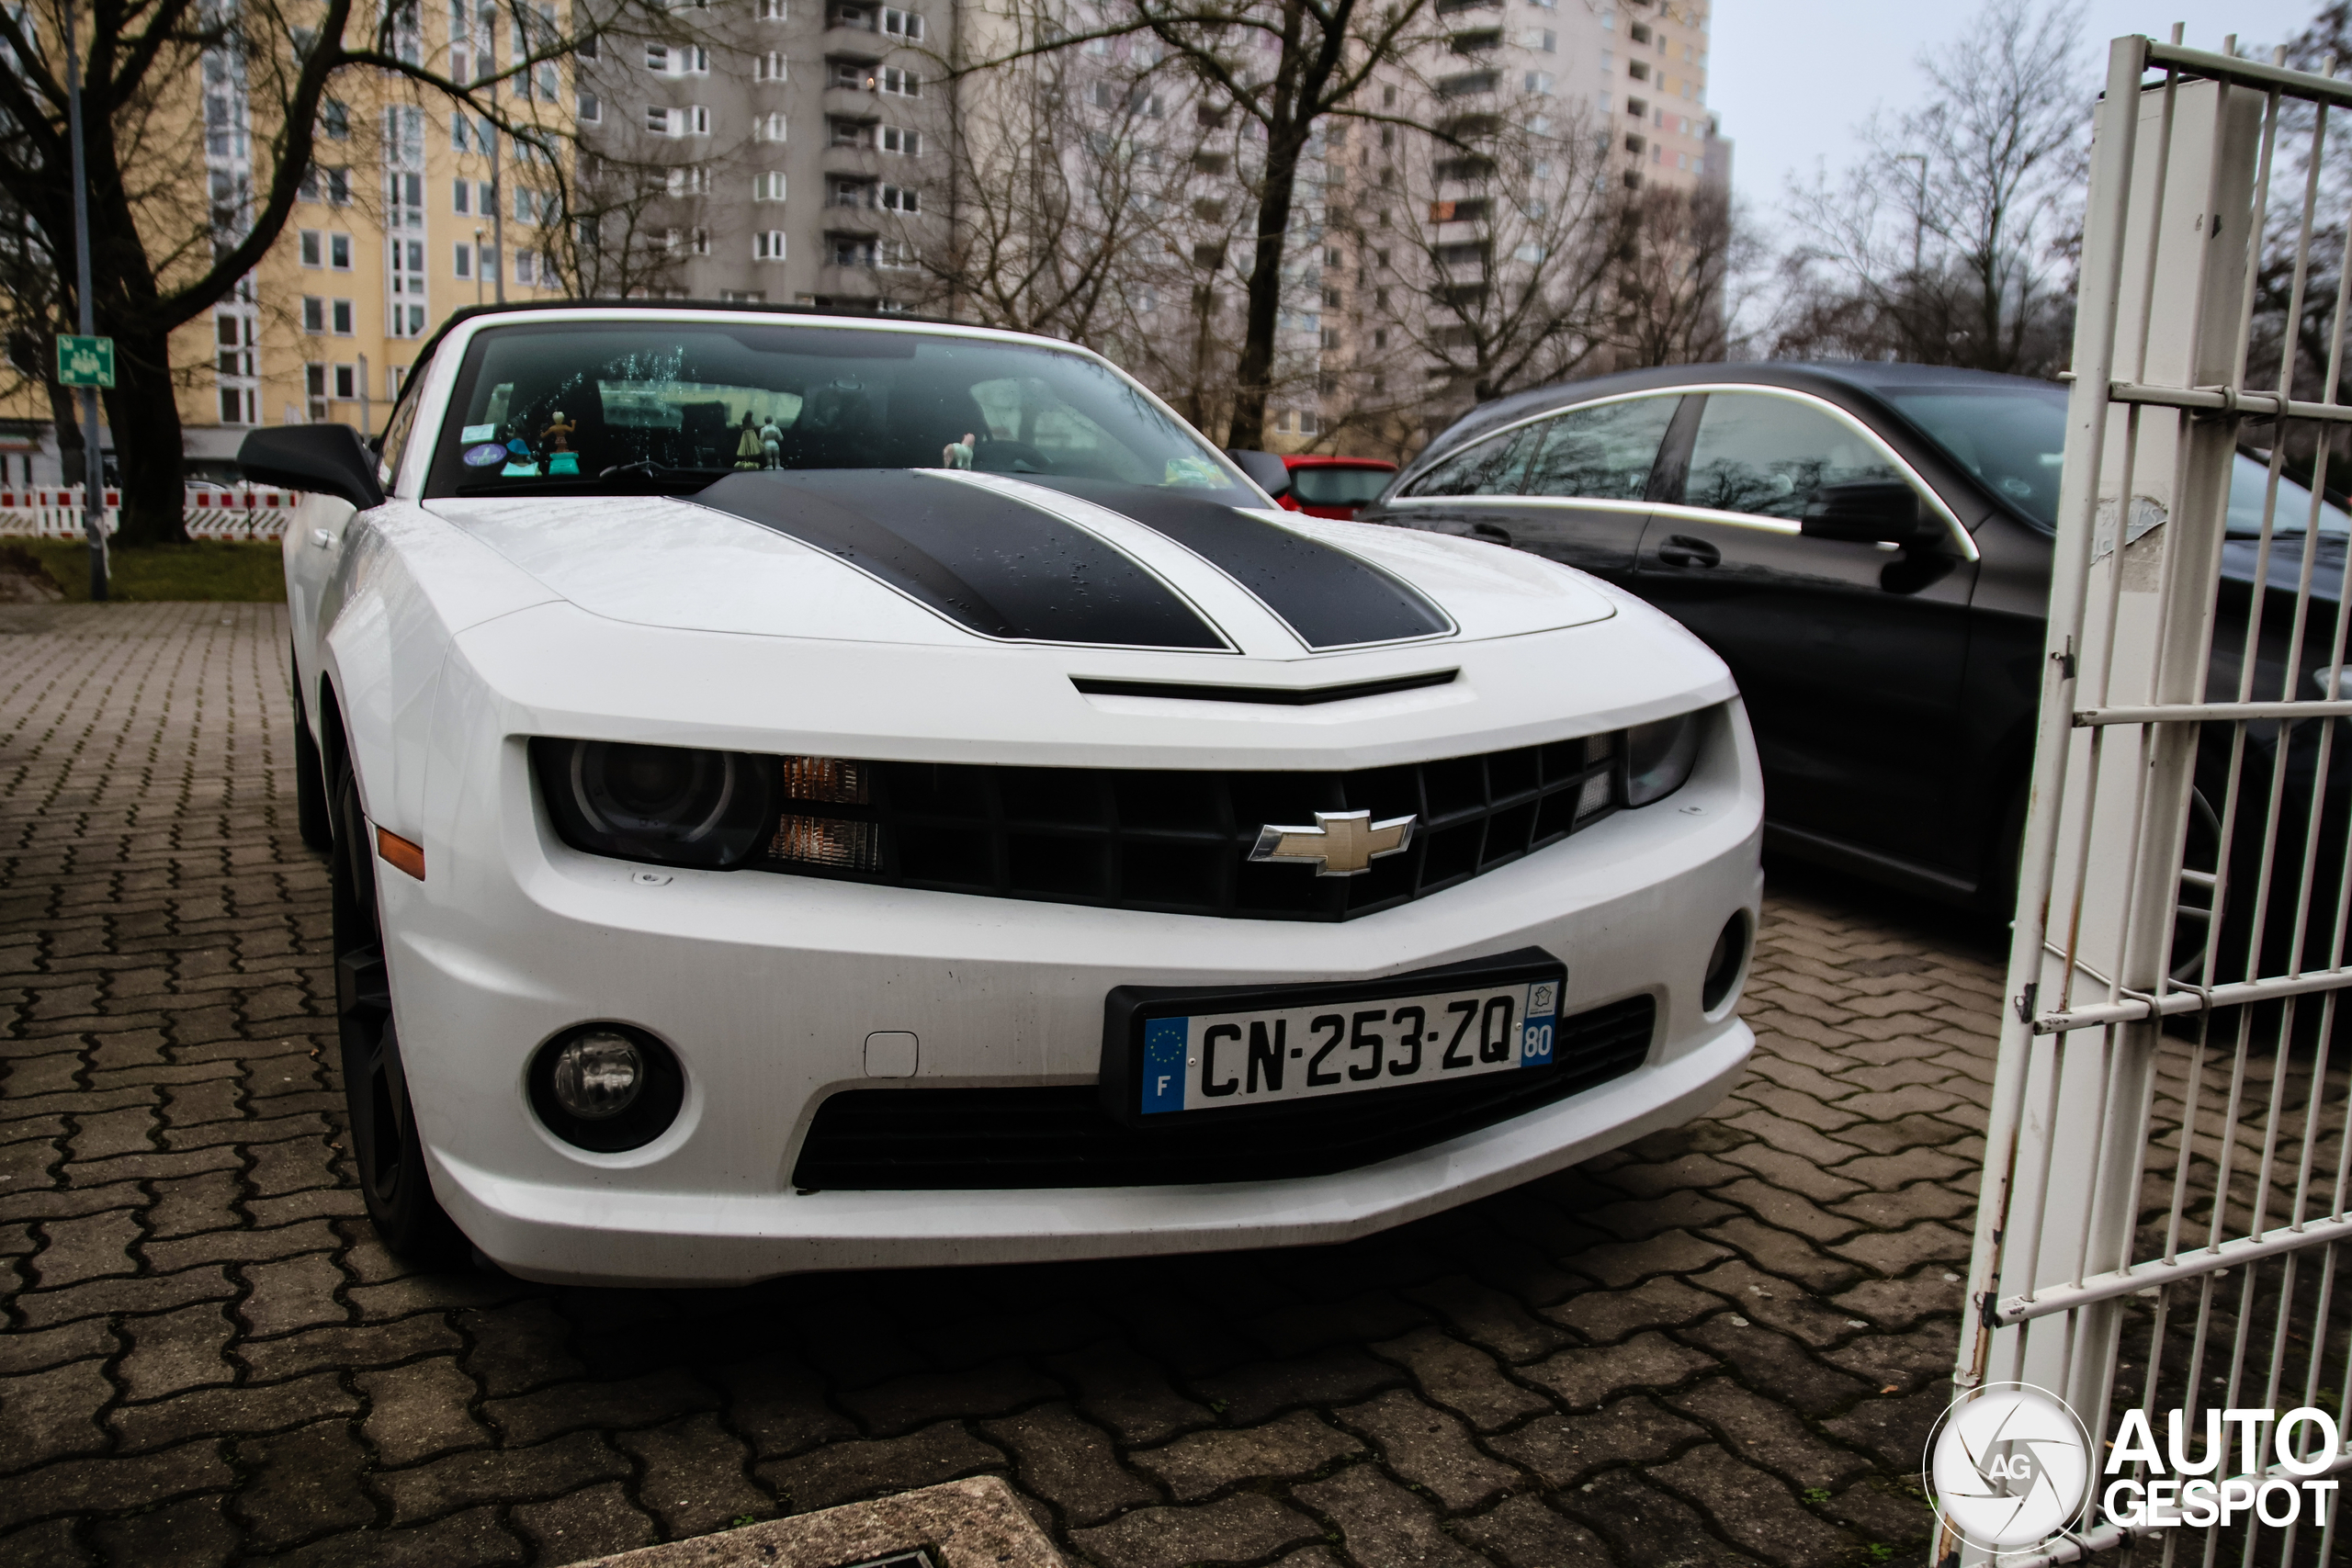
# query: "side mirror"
1867,511
1270,472
329,458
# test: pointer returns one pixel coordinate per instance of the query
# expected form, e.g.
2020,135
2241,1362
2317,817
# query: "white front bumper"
766,986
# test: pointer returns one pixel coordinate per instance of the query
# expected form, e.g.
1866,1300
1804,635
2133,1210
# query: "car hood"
927,557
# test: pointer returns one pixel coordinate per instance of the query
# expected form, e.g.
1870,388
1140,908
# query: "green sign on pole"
84,361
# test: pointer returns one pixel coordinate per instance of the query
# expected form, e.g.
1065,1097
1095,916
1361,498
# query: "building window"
768,126
698,241
768,245
849,75
462,263
767,187
899,198
461,197
526,268
335,120
339,312
744,295
347,383
591,111
232,406
901,83
772,11
902,24
315,314
339,251
690,181
1539,82
895,138
657,58
313,245
768,67
1638,70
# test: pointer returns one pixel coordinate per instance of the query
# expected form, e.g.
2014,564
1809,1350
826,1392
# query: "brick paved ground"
1723,1345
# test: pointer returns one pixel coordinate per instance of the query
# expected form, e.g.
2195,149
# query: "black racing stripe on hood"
985,561
1331,599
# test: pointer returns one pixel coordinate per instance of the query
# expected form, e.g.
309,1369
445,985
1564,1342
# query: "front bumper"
766,986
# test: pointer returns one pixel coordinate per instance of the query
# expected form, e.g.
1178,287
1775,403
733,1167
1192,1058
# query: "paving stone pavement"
1724,1344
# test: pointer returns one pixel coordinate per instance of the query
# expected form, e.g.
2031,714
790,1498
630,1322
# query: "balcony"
851,162
1467,84
1477,40
849,283
853,43
852,103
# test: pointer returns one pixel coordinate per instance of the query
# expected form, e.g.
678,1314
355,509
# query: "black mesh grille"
964,1139
1179,842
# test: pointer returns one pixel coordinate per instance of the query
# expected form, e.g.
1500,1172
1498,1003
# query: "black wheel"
384,1143
310,814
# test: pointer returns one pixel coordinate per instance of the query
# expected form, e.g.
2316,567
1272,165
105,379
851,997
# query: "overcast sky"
1791,79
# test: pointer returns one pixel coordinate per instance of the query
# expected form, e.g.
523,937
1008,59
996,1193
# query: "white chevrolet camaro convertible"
818,792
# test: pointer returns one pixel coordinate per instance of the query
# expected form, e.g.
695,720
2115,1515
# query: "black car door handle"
1491,531
1681,549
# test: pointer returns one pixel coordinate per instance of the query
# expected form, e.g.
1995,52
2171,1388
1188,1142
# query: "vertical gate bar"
2188,562
2094,363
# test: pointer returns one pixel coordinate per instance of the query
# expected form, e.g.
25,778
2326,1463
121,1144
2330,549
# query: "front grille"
1178,842
967,1139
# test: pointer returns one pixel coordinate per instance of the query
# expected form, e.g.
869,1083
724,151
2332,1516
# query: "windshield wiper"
654,470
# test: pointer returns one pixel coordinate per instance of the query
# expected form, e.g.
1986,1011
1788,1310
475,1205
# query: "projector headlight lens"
670,805
1659,757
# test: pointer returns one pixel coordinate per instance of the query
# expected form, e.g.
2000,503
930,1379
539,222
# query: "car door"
1585,493
1849,656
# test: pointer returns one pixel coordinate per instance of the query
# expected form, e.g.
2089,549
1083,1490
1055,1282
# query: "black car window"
1764,455
1603,452
1318,485
1484,468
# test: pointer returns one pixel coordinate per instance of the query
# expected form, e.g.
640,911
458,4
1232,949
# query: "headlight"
1659,757
672,804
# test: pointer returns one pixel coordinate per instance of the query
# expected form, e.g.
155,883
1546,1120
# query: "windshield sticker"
484,455
1194,471
521,468
478,433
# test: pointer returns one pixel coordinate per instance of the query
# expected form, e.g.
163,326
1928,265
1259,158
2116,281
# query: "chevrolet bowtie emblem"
1342,843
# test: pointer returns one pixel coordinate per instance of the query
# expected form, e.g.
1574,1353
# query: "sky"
1791,79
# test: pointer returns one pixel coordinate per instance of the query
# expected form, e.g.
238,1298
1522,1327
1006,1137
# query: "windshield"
2014,440
1317,485
590,408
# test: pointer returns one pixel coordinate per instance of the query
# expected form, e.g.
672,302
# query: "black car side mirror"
1867,511
329,458
1270,472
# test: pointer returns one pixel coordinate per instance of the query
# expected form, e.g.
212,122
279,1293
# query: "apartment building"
795,151
409,211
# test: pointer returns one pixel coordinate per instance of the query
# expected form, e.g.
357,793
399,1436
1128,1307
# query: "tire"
385,1150
311,818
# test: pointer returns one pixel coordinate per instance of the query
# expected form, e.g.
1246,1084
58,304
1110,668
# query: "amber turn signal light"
400,853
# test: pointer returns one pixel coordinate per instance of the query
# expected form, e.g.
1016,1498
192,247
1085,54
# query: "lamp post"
94,490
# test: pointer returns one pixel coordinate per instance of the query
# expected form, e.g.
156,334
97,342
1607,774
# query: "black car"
1869,546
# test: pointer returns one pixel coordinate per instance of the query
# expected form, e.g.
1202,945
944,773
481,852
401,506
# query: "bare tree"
173,235
1951,240
1673,266
1283,67
1509,283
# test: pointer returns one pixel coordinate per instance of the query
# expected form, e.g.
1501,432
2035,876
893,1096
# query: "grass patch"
215,569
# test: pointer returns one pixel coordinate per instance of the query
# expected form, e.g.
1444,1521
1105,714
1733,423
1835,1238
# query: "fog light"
1724,964
606,1087
598,1076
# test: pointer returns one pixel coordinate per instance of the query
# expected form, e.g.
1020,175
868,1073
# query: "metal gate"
2163,1224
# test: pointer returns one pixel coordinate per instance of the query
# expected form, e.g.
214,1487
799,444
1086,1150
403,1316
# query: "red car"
1318,485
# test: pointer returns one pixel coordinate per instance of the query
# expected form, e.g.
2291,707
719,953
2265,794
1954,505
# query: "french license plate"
1226,1052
